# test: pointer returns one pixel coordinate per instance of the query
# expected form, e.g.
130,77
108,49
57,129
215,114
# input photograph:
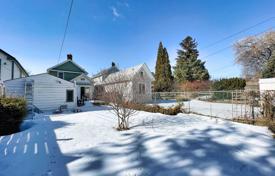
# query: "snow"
221,110
87,144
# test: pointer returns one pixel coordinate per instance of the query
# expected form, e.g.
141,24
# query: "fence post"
232,101
211,110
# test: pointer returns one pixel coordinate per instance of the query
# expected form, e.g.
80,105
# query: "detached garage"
43,91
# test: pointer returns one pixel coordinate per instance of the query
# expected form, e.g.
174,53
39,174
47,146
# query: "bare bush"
120,96
268,108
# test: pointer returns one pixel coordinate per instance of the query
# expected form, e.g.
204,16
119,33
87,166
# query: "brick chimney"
69,57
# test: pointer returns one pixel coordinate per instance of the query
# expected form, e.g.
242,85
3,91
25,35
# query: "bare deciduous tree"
253,52
119,94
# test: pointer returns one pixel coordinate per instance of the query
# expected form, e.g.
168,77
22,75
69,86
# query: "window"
12,70
69,96
141,89
141,74
60,75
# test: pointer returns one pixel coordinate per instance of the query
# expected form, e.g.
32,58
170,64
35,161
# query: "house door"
82,92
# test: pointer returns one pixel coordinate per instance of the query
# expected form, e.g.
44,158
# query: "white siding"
267,84
147,81
49,92
84,81
6,68
15,88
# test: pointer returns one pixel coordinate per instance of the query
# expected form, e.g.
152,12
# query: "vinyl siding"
6,69
48,92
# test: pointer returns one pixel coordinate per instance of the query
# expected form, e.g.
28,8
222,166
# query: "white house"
43,91
137,81
71,71
10,68
267,84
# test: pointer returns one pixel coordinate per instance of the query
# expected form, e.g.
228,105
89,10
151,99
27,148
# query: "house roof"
127,74
84,75
16,61
31,76
67,61
107,71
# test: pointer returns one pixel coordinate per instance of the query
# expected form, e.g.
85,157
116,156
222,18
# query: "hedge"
158,109
12,113
229,84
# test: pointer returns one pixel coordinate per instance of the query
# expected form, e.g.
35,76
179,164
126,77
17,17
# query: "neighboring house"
138,81
10,68
267,84
70,71
43,91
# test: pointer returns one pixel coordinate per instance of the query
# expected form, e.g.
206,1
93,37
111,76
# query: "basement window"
69,96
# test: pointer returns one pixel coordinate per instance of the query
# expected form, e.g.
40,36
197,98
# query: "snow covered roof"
107,71
126,75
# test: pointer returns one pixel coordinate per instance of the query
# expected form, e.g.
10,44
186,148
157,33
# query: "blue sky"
127,31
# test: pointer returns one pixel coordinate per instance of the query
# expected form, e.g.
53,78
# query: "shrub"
158,109
222,96
181,99
229,84
271,127
100,103
194,86
12,113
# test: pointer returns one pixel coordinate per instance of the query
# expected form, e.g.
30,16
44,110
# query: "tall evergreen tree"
188,66
163,73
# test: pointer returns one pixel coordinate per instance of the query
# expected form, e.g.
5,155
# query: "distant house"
138,78
63,85
267,84
43,91
10,68
70,71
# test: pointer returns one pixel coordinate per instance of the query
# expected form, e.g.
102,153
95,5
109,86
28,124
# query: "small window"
12,70
69,96
61,75
141,89
141,74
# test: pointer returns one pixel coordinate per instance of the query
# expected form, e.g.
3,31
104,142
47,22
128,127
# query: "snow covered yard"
87,144
221,110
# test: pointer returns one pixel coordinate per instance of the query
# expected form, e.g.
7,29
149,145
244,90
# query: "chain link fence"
218,104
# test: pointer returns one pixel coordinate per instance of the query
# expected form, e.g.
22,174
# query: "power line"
239,32
65,32
231,45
